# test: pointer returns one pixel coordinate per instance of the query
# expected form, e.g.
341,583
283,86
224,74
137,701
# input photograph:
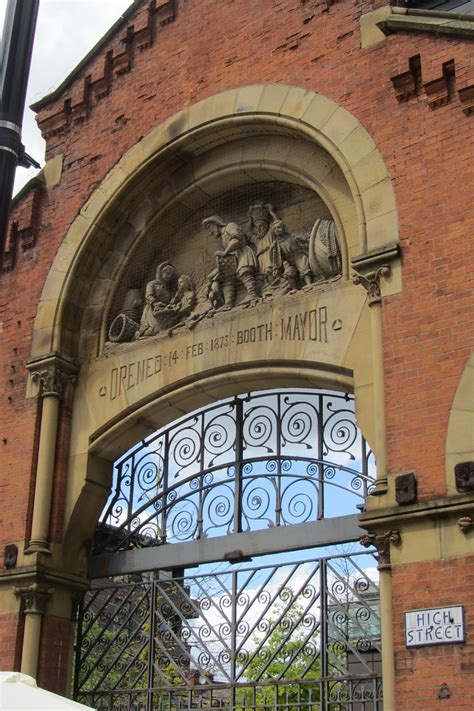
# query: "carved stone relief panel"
254,243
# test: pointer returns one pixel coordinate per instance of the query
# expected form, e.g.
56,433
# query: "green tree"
288,650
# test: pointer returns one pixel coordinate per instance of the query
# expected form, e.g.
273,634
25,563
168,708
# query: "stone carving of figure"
260,219
324,251
289,257
235,263
158,295
184,300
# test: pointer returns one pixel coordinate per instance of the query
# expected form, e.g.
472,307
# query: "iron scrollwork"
222,631
252,462
255,461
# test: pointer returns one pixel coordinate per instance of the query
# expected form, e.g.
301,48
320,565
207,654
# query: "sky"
65,32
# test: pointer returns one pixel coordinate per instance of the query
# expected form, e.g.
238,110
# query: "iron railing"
252,462
286,635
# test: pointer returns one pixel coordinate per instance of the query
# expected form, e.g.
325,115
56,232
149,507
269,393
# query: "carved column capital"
371,282
52,375
465,523
52,381
382,542
35,598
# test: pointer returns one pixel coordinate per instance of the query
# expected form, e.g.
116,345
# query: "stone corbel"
371,282
382,541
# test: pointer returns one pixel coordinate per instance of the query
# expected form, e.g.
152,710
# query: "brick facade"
173,53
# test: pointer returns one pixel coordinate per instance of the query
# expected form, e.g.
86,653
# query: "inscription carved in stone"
259,258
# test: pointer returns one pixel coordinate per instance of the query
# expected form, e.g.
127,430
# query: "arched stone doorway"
226,568
297,158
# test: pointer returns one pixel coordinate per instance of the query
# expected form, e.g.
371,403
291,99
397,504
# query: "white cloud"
65,32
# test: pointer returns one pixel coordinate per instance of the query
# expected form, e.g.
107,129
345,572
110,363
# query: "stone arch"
90,493
330,153
460,431
288,110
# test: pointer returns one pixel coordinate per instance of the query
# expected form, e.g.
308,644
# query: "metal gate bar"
291,635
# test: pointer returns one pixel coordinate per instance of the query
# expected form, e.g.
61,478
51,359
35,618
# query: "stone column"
35,599
52,376
382,542
371,283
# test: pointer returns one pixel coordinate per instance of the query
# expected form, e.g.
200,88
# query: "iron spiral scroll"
255,461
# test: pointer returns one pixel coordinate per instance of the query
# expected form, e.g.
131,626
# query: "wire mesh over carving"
248,463
251,244
299,633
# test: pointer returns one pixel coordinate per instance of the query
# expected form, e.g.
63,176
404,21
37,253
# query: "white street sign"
437,625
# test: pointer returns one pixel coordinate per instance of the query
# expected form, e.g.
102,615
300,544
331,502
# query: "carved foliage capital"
382,542
466,524
52,381
371,282
35,598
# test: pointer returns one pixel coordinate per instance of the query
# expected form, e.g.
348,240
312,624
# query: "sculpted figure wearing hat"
260,218
235,263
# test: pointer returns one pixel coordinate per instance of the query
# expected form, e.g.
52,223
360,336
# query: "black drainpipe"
15,57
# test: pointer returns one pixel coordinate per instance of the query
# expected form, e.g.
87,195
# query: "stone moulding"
311,116
410,514
414,20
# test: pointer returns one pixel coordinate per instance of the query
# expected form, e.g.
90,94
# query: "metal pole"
15,57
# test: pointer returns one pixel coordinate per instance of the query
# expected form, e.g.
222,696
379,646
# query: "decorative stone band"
371,282
35,598
382,542
52,375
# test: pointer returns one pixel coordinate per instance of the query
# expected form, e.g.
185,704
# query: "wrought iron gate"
252,476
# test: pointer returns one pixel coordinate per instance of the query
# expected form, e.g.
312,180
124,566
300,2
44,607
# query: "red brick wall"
421,672
55,654
11,635
212,46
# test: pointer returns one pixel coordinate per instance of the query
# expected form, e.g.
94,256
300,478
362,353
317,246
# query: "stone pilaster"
35,598
53,377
